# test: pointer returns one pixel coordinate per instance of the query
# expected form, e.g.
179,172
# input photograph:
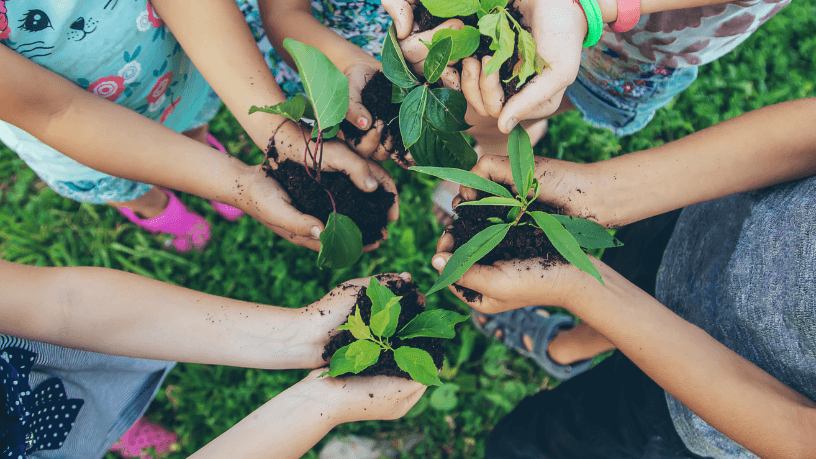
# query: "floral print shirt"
692,36
119,50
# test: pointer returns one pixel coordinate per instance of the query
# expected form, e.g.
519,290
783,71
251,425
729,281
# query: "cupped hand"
558,28
356,398
515,284
331,311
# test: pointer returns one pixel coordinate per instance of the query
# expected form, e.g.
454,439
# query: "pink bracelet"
628,15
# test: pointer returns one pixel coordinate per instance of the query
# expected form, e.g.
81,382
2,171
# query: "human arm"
728,392
761,148
113,312
291,423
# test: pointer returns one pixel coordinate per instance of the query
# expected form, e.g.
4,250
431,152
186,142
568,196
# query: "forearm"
229,60
727,391
118,313
285,427
294,19
765,147
107,137
609,8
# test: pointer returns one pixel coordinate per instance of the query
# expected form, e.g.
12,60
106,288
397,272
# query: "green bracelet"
594,21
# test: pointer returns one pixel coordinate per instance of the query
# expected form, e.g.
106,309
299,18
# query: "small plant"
495,22
327,103
567,234
381,335
431,119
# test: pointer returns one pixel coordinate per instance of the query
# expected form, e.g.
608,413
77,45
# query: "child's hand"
331,311
515,284
355,398
565,185
558,28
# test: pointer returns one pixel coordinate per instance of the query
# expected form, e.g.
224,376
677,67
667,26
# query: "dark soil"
410,307
427,21
369,211
376,97
522,242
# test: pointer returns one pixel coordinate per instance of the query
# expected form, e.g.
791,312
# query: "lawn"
484,380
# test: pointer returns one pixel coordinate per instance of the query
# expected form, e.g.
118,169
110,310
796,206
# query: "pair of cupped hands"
558,28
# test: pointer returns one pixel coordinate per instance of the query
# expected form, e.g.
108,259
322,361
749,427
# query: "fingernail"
315,232
380,127
465,73
511,123
438,262
362,122
371,183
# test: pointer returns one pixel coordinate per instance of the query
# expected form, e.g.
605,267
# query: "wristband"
628,15
594,21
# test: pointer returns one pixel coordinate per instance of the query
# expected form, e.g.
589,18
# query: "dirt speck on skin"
411,306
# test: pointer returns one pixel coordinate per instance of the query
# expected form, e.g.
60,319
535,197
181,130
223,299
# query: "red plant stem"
307,154
319,153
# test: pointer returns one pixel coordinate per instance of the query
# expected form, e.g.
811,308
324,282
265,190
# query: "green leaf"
378,294
292,109
363,353
356,326
397,94
410,119
566,245
522,163
451,8
443,398
341,243
589,234
339,364
493,201
447,149
504,40
464,41
325,85
384,323
529,57
437,59
495,220
466,178
419,364
330,134
488,5
394,66
469,253
513,214
445,110
438,323
459,153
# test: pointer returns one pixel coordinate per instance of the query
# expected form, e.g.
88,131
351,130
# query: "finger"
406,276
539,98
357,114
388,184
370,247
479,278
368,145
402,14
471,72
491,89
297,227
492,167
308,242
445,242
339,158
450,79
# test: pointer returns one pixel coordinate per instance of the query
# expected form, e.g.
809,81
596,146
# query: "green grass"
245,261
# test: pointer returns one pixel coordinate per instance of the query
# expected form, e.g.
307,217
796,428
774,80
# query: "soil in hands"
523,242
411,306
369,211
427,21
376,96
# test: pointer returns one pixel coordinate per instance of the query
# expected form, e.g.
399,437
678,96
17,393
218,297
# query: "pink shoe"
228,212
143,435
190,229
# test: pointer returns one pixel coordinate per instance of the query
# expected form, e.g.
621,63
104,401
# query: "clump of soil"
376,96
410,307
523,242
427,21
369,211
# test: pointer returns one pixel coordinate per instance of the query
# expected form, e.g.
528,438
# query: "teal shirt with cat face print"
116,49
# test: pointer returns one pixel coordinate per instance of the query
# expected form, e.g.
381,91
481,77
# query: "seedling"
381,335
431,119
327,103
567,234
495,22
